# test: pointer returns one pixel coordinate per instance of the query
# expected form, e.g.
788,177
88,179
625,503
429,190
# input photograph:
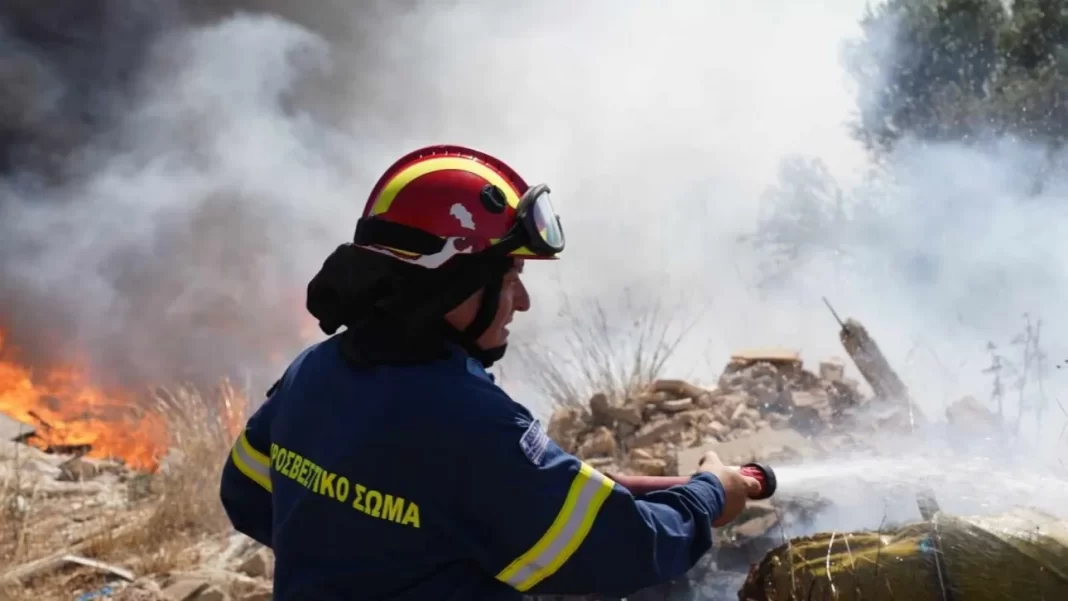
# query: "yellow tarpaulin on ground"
1019,556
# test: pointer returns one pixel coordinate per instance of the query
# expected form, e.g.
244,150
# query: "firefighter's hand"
736,487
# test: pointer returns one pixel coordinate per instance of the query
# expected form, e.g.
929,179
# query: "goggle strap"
379,232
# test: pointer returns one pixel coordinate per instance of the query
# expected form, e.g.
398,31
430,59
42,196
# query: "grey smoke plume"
173,177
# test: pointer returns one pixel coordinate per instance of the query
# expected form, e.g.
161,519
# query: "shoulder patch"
534,442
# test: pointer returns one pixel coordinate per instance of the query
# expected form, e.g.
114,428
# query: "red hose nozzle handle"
764,475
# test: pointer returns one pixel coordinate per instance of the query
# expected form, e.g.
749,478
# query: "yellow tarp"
1018,556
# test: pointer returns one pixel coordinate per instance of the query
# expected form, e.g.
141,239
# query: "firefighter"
387,464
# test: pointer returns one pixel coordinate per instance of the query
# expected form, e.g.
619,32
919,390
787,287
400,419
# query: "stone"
650,467
141,590
628,414
677,405
970,414
257,565
677,388
656,432
601,443
767,355
185,590
738,412
758,444
832,369
565,425
77,470
212,593
599,410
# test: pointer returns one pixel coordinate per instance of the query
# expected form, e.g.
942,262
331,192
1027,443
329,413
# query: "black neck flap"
394,313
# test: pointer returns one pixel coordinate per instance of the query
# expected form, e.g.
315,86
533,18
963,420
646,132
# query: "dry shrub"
15,496
202,431
185,490
614,352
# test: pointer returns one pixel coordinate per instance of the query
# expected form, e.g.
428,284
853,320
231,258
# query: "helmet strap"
487,312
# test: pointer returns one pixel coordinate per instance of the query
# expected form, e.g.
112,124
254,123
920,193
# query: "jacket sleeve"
544,522
245,489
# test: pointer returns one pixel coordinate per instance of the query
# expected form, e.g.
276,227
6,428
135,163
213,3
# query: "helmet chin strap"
487,312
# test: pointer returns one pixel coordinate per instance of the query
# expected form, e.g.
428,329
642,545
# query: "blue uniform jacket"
429,483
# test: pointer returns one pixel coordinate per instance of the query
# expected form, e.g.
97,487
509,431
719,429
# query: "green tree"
923,68
962,70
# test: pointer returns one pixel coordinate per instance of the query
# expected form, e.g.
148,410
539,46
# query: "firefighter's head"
441,244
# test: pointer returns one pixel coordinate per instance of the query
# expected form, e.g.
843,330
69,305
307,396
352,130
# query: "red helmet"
441,201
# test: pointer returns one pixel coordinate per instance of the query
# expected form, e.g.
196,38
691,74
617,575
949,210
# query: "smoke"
172,181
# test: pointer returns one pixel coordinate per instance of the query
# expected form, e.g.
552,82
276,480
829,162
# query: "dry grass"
185,491
599,352
15,493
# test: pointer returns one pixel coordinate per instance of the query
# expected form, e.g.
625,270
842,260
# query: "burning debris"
59,411
64,413
85,527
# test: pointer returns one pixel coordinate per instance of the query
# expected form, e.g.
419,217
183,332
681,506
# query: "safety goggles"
536,231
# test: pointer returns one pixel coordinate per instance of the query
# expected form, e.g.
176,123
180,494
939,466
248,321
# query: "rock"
565,426
755,526
212,593
677,388
817,399
832,369
185,590
656,432
716,428
969,414
677,405
708,399
140,487
738,412
258,565
763,445
76,470
779,356
599,410
601,443
650,467
261,595
806,420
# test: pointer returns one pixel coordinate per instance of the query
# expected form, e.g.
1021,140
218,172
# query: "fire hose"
640,485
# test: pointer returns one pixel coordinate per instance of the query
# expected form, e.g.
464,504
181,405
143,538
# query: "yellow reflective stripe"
409,174
251,451
251,462
588,492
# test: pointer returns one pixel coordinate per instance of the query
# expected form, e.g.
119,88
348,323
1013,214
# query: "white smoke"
247,147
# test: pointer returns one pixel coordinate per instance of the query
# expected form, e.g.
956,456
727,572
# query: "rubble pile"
72,527
644,432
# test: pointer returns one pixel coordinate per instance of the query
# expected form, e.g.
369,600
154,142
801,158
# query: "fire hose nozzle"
764,475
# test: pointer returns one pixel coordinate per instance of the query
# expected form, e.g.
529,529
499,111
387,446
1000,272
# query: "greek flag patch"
534,443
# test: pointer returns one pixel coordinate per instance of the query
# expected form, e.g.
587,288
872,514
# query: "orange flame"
64,409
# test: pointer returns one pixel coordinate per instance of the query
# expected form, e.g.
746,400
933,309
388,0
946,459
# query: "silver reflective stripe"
588,492
251,462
